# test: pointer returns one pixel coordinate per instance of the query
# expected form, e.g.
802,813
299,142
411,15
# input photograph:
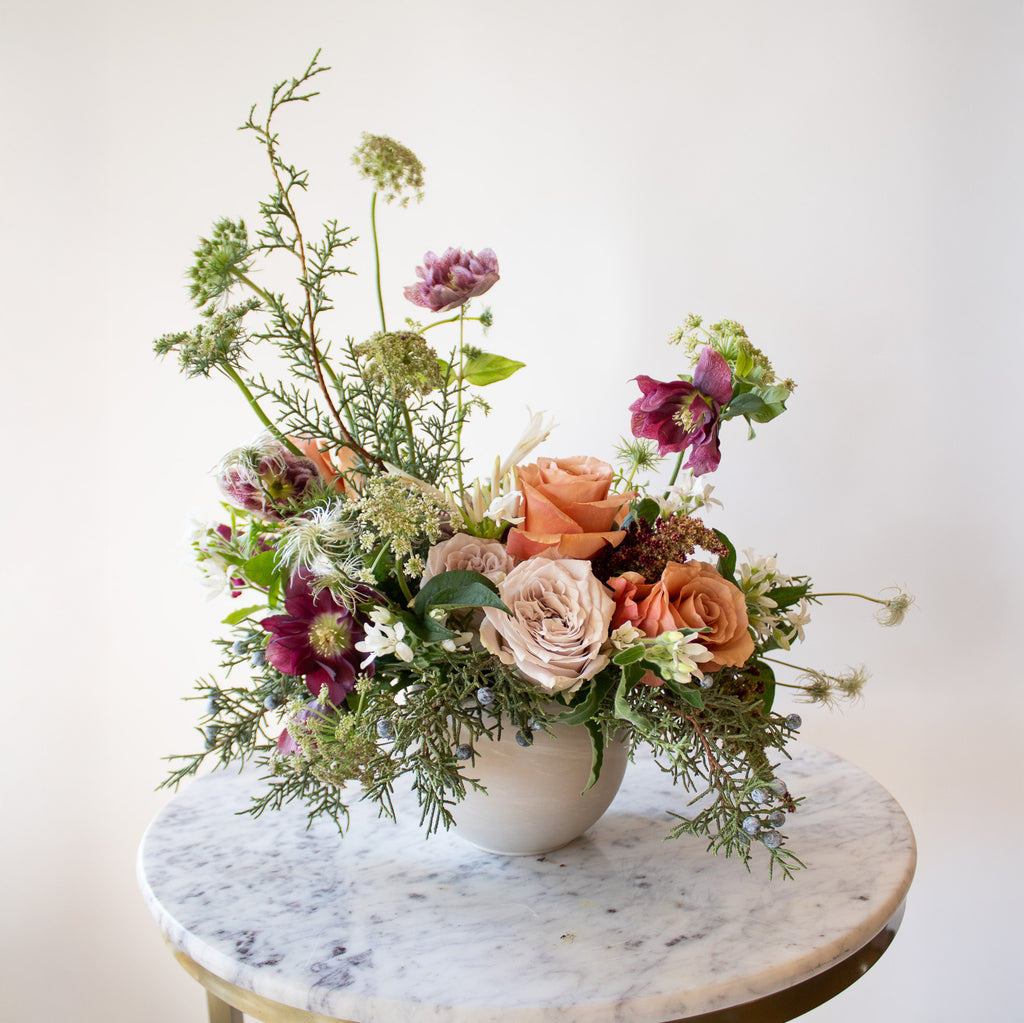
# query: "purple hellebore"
315,638
452,279
680,415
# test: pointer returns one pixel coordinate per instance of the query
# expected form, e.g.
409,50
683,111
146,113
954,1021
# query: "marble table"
382,926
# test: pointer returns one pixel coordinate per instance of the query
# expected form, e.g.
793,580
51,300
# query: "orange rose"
688,596
319,452
566,506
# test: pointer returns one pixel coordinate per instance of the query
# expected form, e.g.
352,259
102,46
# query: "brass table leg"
221,1012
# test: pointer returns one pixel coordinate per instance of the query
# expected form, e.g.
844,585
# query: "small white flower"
689,495
382,640
540,425
677,655
626,635
504,507
463,639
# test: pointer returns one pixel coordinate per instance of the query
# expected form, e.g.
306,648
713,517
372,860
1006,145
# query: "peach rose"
566,507
558,625
462,551
688,596
320,454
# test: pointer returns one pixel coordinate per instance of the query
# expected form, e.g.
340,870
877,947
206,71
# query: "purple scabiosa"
452,279
315,638
266,478
678,414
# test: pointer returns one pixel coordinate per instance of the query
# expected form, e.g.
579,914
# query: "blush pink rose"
472,553
560,619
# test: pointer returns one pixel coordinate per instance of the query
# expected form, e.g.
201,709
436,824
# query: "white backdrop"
842,179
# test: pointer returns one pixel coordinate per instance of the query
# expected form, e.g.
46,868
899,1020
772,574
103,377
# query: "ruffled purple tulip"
680,415
452,279
316,638
266,480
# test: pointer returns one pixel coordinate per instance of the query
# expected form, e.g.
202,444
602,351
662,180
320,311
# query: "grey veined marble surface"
382,926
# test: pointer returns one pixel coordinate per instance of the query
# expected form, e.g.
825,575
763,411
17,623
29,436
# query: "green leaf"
458,588
749,404
648,510
622,708
489,369
580,713
596,752
274,593
727,565
744,363
691,696
241,614
261,569
786,596
629,655
764,674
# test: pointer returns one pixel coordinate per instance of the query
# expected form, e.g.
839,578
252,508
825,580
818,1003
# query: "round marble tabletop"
382,926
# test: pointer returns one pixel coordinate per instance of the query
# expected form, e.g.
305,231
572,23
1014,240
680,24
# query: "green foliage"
457,589
484,369
218,342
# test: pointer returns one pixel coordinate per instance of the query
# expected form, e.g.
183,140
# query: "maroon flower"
316,638
266,480
680,415
450,280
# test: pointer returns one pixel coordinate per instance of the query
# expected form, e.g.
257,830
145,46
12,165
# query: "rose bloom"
566,507
332,465
560,620
462,551
691,595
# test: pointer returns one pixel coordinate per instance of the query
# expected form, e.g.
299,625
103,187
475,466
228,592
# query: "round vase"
535,801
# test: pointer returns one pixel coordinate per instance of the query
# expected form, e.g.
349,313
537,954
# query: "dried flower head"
819,687
403,360
265,478
391,167
894,610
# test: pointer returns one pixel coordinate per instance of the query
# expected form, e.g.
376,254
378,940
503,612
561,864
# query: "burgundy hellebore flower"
271,484
451,280
316,638
680,415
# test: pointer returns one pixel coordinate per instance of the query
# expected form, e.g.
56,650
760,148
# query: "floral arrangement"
389,606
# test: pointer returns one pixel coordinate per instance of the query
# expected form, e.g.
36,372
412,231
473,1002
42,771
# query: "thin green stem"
451,319
675,471
408,427
786,664
230,372
458,398
376,260
863,596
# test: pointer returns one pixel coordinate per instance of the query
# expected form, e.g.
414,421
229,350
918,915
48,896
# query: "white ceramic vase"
535,801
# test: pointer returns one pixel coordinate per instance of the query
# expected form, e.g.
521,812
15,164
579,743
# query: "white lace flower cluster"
758,576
